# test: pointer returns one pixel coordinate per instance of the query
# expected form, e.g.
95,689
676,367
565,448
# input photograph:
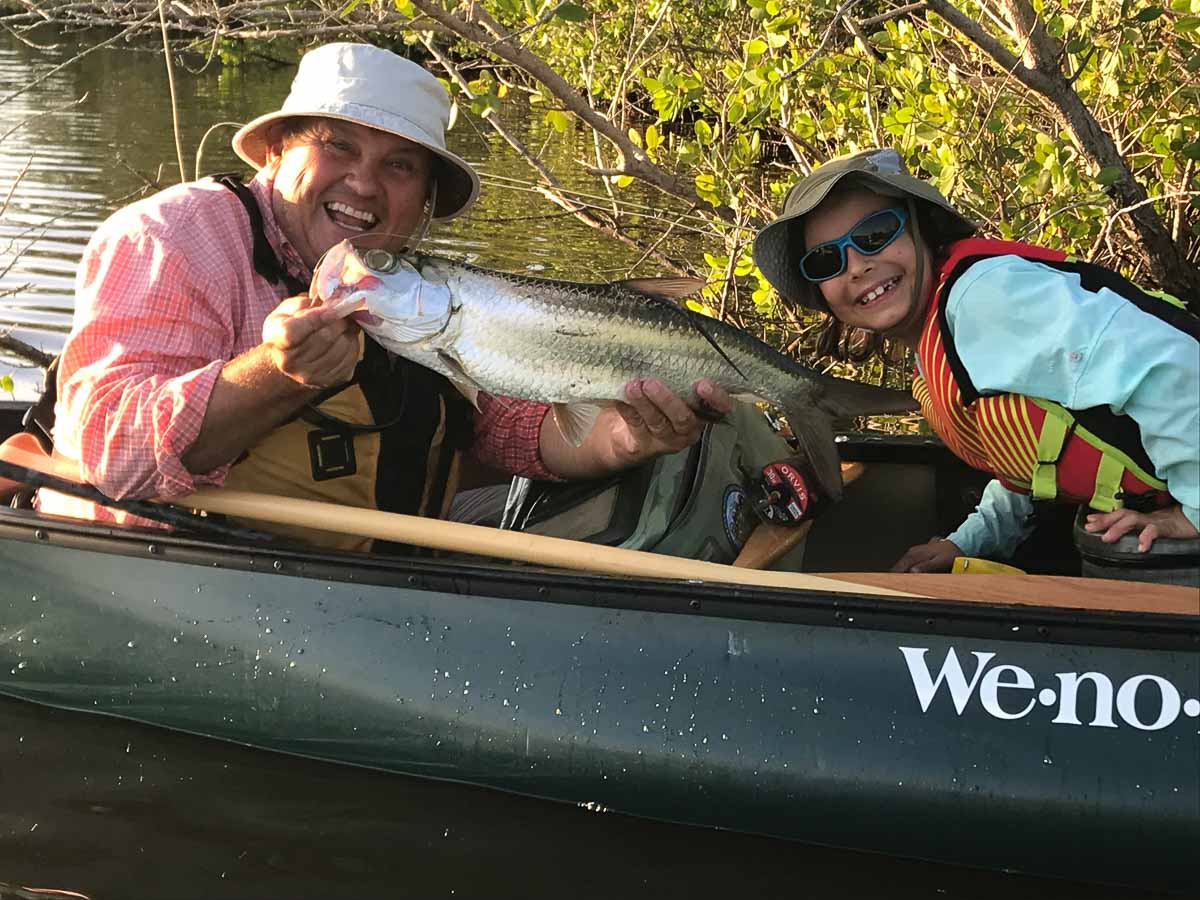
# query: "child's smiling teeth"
360,219
877,291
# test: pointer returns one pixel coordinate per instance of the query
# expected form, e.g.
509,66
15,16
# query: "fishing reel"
784,494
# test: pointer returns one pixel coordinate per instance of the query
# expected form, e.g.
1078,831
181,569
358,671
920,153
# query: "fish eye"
380,260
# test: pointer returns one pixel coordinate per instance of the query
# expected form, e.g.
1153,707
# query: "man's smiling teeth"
877,291
366,218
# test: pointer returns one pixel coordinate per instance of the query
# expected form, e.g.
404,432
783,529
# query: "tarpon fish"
577,345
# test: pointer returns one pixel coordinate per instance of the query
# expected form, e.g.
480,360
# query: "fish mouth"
878,292
350,217
364,317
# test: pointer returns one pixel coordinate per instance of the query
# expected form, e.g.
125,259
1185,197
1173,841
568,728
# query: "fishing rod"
164,514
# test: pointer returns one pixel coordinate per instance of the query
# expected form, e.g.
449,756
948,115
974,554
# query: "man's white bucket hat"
373,87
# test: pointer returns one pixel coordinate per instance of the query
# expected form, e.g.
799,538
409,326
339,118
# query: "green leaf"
704,132
904,114
405,8
1192,150
349,8
927,133
1149,14
623,181
1108,175
569,12
756,47
6,384
559,119
1187,23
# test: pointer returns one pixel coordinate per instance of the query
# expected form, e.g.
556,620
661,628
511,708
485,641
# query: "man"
197,357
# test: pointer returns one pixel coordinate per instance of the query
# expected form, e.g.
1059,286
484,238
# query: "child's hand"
936,555
1166,523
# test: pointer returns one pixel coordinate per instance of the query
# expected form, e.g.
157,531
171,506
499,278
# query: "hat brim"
778,247
457,181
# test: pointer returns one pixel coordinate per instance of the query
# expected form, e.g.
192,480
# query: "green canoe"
1059,739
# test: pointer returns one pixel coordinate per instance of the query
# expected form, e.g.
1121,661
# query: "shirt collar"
263,189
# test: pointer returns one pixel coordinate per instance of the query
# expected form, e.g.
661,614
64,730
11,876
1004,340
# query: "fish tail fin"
843,398
811,413
813,428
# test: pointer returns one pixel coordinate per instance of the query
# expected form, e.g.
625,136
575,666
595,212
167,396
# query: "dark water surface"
120,811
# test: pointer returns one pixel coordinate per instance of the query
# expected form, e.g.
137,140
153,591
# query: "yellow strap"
1108,482
1055,427
973,565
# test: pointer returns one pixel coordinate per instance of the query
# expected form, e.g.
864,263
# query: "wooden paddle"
1009,589
513,545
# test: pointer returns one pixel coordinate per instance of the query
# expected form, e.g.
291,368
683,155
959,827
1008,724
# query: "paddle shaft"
455,536
512,545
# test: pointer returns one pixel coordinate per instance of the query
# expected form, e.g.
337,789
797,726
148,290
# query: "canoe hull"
832,720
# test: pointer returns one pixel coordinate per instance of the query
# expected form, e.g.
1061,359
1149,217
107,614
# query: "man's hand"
652,421
1166,523
655,420
936,555
310,345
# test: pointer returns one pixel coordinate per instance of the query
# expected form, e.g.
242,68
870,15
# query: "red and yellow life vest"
1031,445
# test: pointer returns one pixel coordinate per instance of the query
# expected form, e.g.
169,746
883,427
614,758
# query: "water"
92,137
112,809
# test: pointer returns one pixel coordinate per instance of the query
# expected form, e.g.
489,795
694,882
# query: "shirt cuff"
179,414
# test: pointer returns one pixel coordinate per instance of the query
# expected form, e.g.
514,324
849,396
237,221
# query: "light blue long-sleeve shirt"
1024,327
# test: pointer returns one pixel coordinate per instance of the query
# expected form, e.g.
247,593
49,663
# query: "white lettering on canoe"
1009,692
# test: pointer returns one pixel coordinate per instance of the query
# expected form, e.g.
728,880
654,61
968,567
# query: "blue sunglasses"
868,237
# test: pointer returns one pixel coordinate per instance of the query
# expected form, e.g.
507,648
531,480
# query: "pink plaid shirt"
166,293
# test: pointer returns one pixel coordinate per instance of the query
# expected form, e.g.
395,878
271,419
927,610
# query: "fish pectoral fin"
576,420
664,288
463,383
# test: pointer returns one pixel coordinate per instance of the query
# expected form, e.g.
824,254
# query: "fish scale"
578,344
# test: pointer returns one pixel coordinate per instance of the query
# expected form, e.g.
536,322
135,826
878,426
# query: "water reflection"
96,134
117,810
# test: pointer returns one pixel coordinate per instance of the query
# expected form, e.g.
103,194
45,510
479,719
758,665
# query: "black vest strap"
1092,277
266,263
1121,432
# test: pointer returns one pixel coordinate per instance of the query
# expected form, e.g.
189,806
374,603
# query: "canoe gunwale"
946,618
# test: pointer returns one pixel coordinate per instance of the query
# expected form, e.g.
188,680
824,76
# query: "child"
1061,378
